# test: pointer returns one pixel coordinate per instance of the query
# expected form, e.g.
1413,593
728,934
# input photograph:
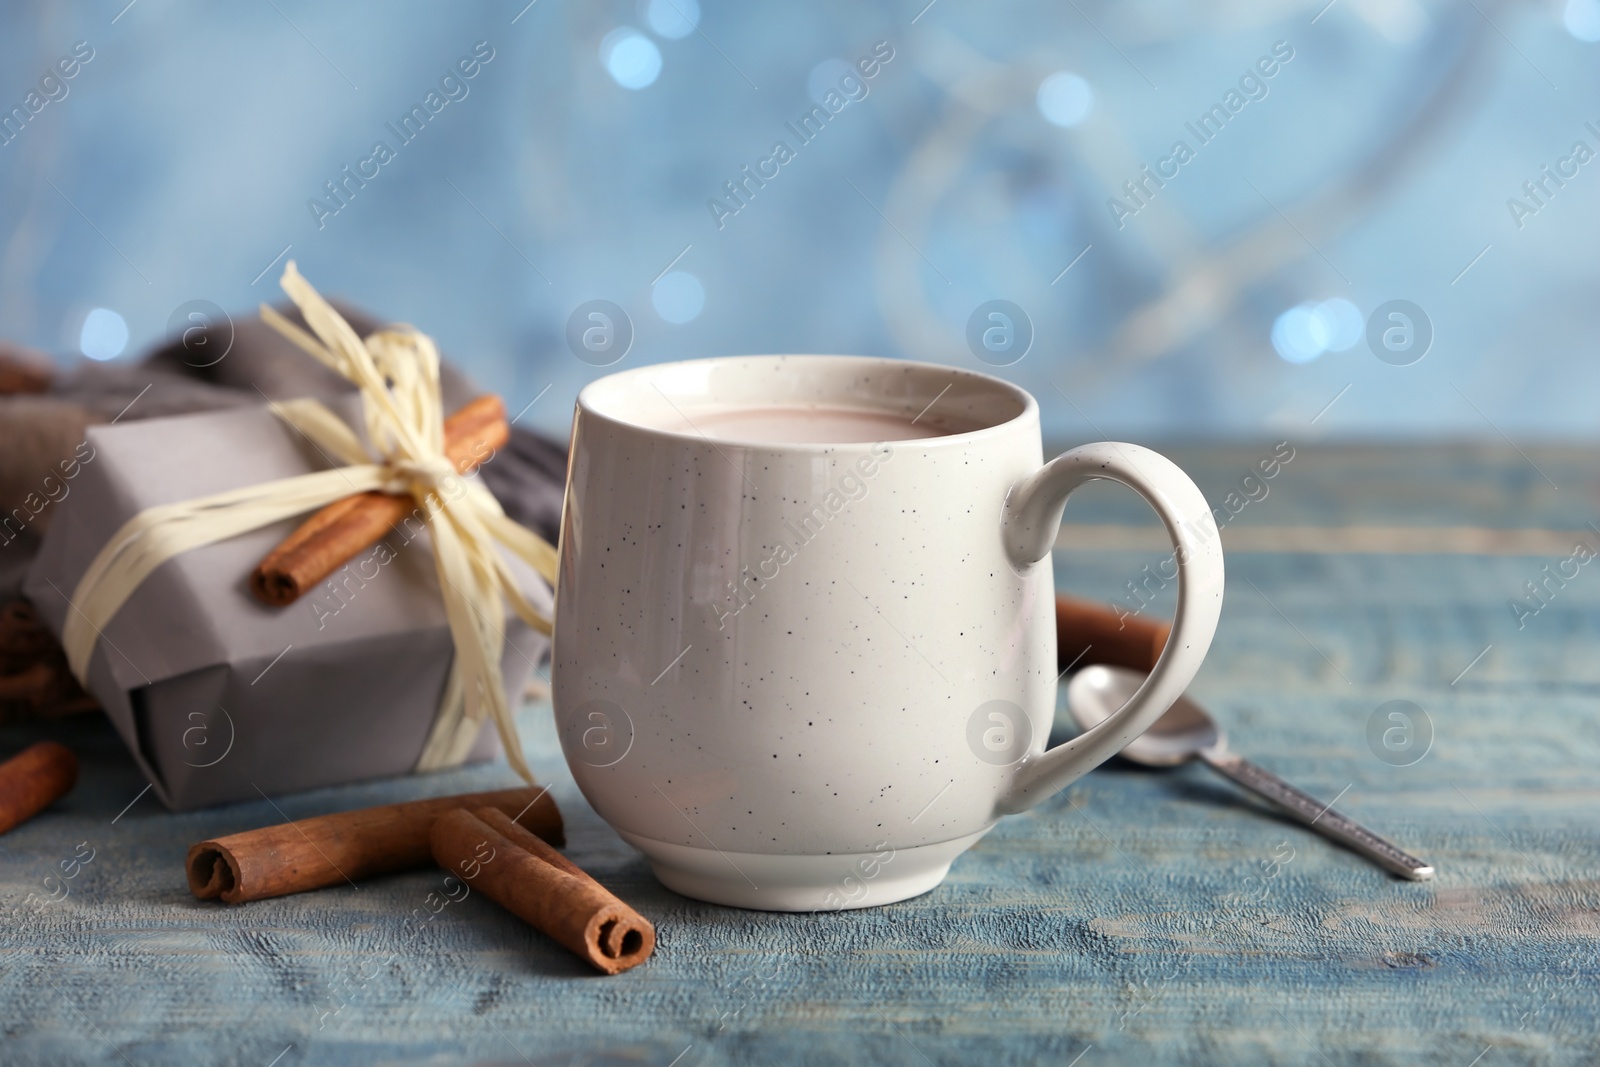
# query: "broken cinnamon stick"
542,887
275,861
329,538
34,779
1087,633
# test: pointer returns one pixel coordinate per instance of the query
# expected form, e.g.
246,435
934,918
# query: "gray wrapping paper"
220,697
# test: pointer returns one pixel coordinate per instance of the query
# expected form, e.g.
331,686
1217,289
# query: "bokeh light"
1582,19
1299,335
1307,330
104,334
678,297
631,58
1065,99
1343,322
672,19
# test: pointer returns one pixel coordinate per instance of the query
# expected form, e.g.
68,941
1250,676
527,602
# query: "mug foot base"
767,882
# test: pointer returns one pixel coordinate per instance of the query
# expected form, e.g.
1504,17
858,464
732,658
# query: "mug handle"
1029,525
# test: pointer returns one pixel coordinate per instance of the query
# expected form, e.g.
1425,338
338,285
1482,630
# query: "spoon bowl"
1095,694
1186,731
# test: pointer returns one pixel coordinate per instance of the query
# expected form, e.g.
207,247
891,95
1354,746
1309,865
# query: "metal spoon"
1186,731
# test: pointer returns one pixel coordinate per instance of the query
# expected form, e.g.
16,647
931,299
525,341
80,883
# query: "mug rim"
1029,407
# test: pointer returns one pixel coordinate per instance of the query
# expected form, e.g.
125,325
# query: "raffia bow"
397,373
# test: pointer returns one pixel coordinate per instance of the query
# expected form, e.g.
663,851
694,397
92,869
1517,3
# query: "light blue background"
196,135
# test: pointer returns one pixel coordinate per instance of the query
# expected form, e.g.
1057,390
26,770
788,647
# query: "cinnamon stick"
1087,632
34,678
329,538
542,887
275,861
34,779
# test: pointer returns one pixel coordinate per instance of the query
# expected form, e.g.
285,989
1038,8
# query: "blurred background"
1420,152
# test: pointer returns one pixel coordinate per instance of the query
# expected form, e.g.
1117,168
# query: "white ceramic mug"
808,676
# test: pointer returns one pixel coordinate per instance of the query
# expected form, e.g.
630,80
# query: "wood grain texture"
1161,917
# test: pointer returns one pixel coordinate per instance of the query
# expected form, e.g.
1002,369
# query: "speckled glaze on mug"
808,676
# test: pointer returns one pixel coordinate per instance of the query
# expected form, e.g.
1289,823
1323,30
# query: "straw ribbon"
397,373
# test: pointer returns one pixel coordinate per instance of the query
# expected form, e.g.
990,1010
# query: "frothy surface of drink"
807,424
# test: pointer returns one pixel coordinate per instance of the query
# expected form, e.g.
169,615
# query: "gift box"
220,697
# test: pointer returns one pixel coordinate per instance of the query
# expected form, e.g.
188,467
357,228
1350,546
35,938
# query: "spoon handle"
1317,815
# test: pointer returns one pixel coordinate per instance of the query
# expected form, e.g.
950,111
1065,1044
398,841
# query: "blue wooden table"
1141,917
